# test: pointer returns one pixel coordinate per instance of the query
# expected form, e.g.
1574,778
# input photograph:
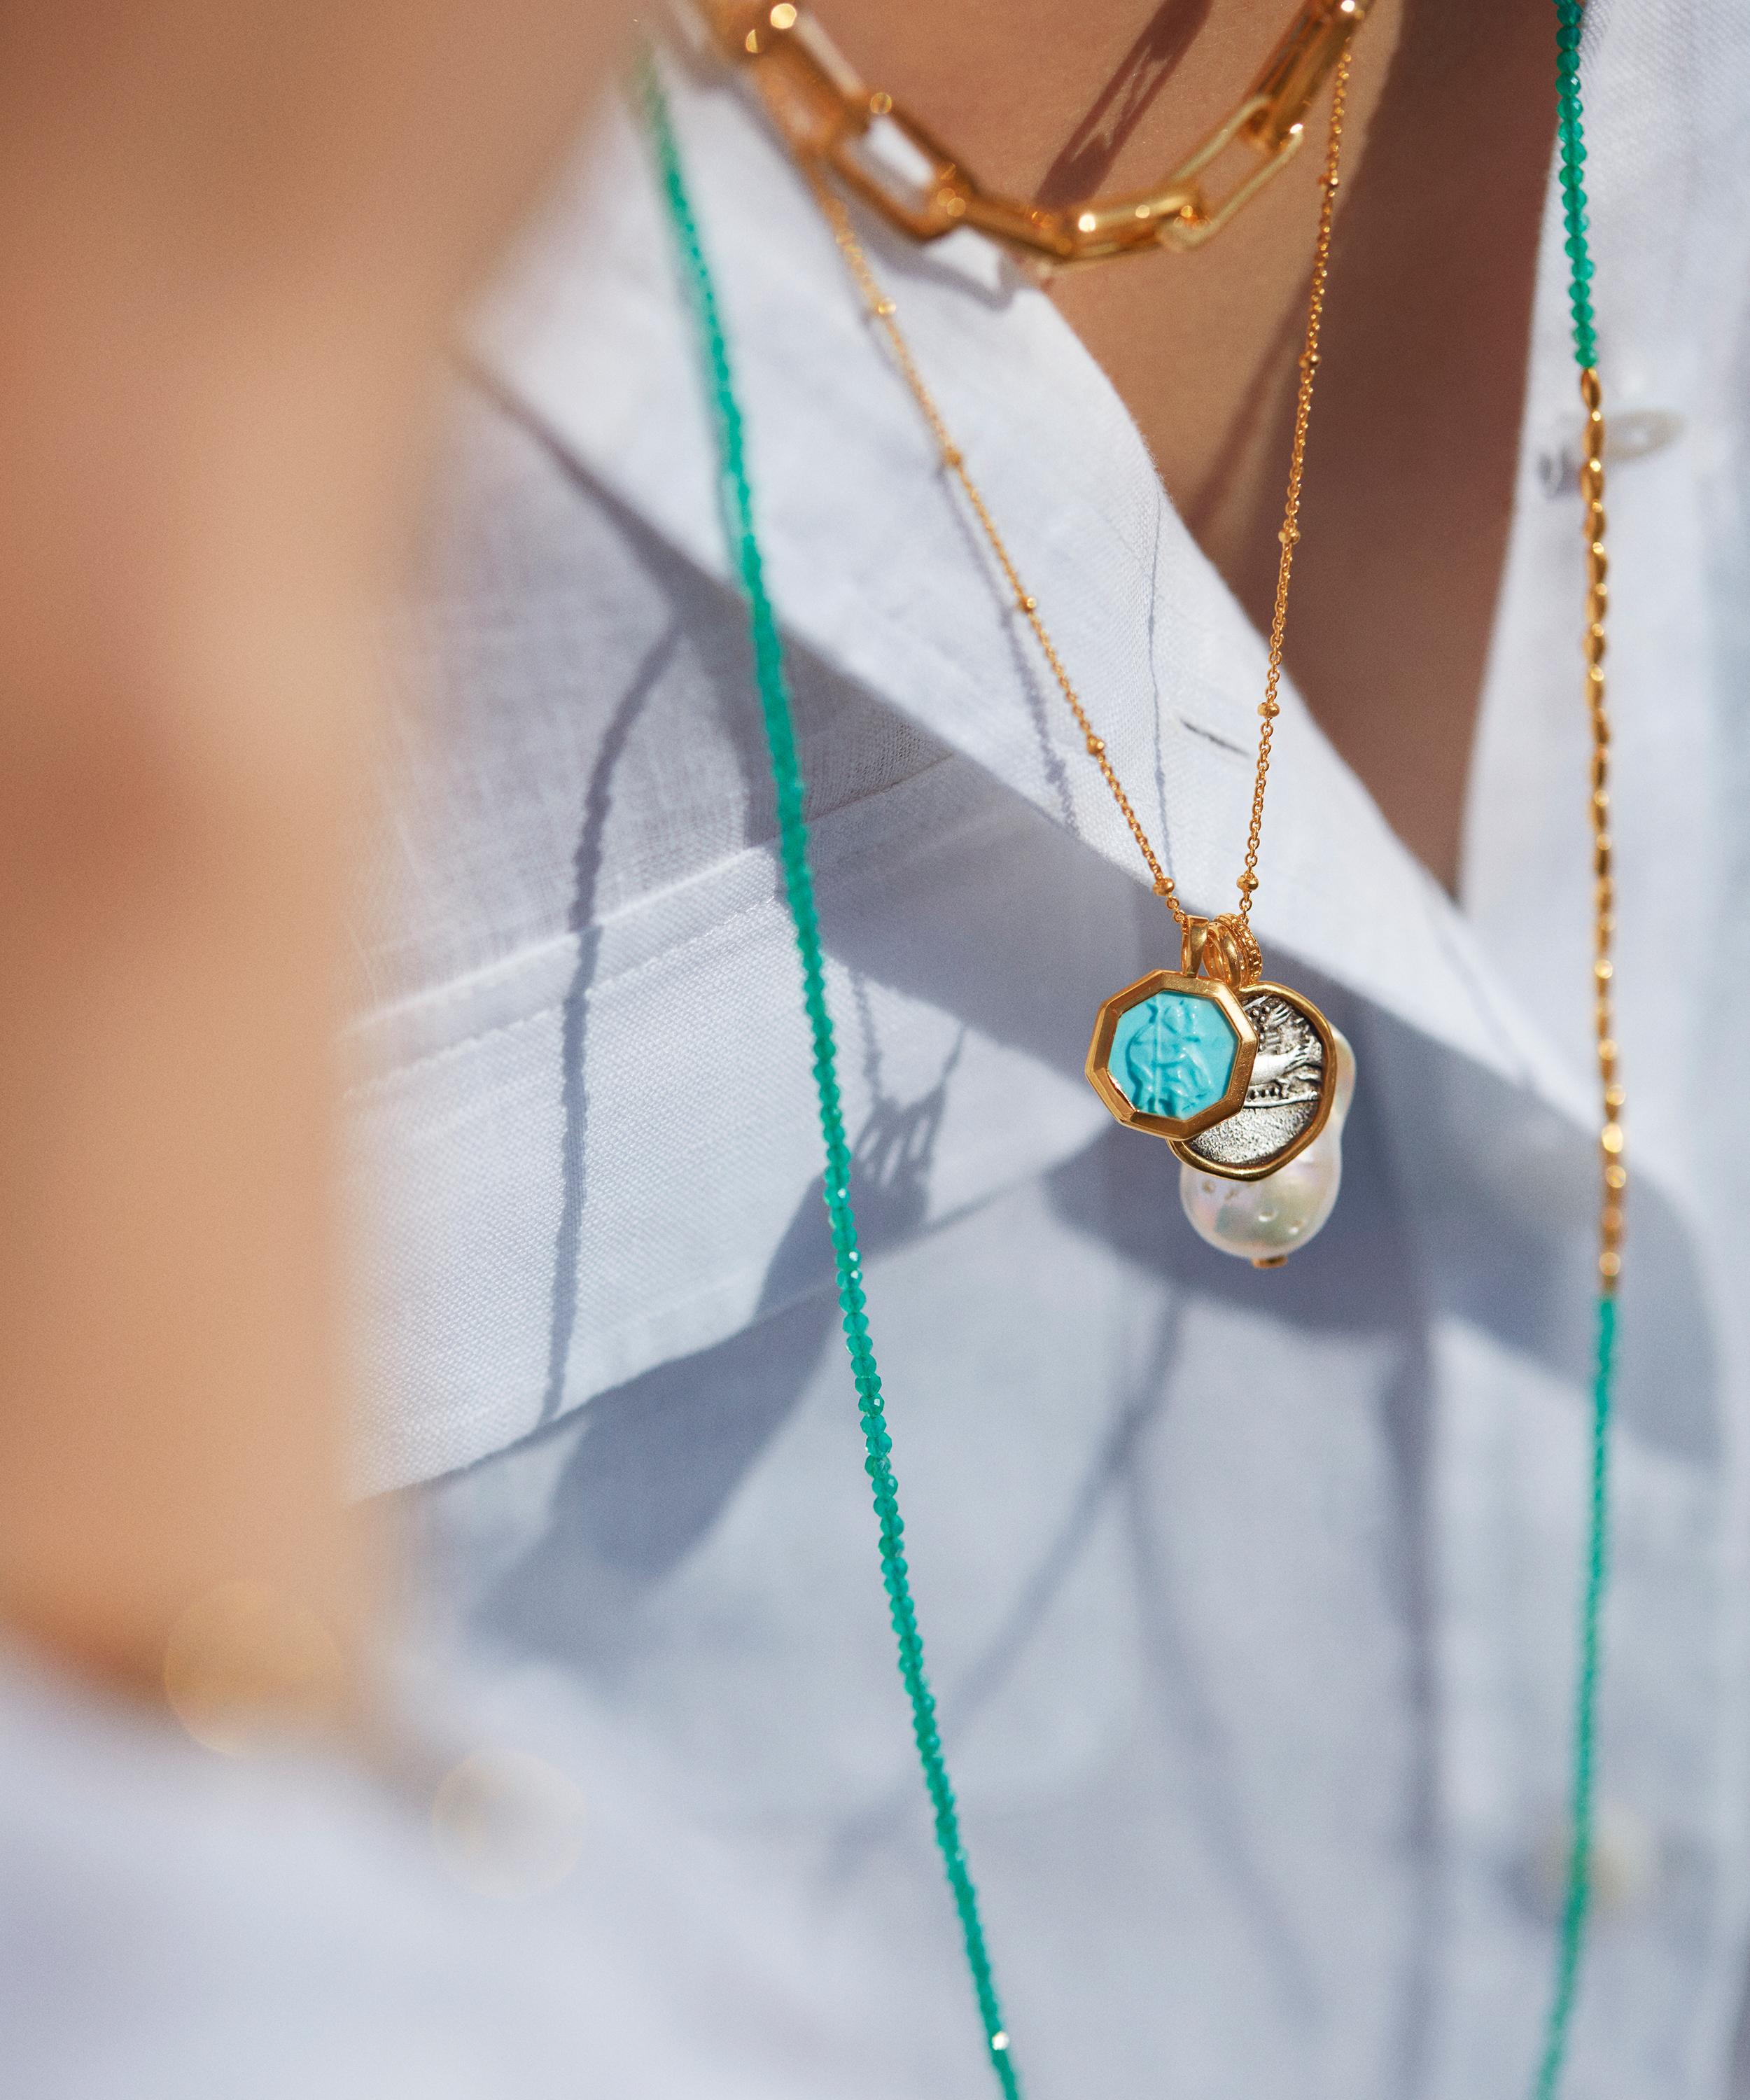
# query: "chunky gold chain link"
884,312
826,112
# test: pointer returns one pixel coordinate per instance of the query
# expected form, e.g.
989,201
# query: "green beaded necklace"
737,495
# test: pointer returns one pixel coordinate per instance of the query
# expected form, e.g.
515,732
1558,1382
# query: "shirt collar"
875,567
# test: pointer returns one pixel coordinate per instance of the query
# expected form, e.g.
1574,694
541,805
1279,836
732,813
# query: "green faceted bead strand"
799,886
1577,1904
1571,143
1570,139
771,682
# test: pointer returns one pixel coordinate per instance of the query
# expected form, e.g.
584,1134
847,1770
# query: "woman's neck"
1053,99
1410,470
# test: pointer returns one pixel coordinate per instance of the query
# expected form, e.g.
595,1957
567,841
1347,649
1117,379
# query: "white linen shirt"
1250,1599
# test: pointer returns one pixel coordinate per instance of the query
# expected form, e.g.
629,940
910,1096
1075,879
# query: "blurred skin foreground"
233,233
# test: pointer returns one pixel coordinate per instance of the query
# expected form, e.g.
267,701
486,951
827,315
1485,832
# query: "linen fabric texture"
1250,1600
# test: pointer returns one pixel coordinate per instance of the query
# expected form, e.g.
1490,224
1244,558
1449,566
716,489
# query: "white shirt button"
1635,432
1630,433
1626,1865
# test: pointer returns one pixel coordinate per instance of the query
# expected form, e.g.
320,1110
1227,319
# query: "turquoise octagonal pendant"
1172,1054
1247,1081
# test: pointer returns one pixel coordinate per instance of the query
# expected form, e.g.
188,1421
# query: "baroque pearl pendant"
1246,1079
1264,1221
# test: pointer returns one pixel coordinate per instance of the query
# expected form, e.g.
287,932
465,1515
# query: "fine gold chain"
1615,1172
883,312
1291,532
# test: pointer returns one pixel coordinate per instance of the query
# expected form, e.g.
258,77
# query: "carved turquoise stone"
1173,1055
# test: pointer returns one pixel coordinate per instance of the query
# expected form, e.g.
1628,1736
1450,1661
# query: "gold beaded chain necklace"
1201,941
1245,1079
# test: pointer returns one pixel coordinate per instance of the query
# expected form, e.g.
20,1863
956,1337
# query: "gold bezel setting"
1260,1170
1239,1079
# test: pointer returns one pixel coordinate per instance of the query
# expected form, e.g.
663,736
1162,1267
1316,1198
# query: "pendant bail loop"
1224,948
